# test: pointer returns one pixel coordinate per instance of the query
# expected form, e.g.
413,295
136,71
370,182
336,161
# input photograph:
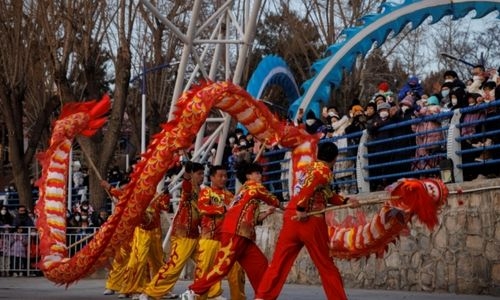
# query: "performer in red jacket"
238,232
184,238
212,204
312,192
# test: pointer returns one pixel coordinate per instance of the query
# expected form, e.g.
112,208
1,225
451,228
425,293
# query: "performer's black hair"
191,166
327,151
214,169
245,168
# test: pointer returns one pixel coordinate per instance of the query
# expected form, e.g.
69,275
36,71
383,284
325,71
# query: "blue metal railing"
361,174
442,149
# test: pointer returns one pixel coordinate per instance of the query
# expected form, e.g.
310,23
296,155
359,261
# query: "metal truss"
216,49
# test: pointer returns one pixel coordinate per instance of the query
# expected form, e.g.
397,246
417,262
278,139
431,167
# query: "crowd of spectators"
422,143
16,226
18,237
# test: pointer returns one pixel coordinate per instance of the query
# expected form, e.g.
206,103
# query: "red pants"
312,233
233,249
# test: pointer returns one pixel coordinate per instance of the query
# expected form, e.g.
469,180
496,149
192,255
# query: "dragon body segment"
408,198
191,112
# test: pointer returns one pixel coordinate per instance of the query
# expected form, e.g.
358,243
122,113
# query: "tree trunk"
12,113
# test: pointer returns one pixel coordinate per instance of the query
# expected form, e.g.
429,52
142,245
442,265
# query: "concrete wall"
461,256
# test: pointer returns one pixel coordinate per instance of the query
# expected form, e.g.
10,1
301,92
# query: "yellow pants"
156,257
236,280
118,269
181,249
205,261
146,256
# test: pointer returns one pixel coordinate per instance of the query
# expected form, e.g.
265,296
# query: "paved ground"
41,288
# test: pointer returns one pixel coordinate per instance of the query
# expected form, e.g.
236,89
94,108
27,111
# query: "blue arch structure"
272,70
355,41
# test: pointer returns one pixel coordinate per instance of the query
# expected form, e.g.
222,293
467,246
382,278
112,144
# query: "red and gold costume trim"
242,217
187,219
312,191
212,206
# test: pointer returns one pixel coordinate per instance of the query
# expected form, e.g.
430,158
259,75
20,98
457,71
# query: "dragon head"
421,197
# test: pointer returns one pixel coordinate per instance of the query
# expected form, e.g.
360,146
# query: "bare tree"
25,91
158,49
102,151
469,46
54,50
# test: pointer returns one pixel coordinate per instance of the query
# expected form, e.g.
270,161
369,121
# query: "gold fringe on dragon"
409,197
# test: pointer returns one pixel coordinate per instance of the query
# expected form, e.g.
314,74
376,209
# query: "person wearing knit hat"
379,98
408,101
383,87
312,123
383,105
357,110
433,100
412,87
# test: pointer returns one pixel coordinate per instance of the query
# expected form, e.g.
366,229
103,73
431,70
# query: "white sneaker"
121,296
188,295
143,297
168,295
220,297
136,296
108,292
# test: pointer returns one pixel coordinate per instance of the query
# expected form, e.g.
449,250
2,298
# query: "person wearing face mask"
479,77
412,87
313,124
243,152
383,111
228,149
489,91
428,136
404,133
375,131
5,216
22,219
451,76
457,97
490,112
85,217
329,113
339,124
491,126
453,101
451,85
74,223
85,206
470,130
444,96
357,124
406,106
